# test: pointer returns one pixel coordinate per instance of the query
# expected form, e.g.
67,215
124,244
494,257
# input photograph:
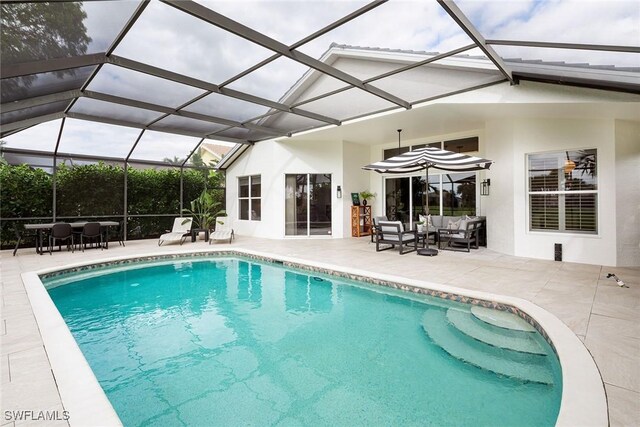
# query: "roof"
215,149
159,78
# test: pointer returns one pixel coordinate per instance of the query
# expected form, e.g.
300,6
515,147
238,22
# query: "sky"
168,38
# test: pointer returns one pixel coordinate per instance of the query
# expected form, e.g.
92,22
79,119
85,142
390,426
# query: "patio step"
523,367
522,342
501,319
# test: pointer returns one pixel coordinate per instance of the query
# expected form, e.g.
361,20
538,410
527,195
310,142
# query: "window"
455,193
563,191
464,145
394,152
249,200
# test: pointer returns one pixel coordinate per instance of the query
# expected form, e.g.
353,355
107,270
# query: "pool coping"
583,399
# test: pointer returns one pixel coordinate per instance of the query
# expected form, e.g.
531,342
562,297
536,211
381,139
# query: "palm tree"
176,161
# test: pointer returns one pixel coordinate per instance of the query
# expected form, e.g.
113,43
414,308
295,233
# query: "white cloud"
105,20
607,22
41,137
158,145
99,139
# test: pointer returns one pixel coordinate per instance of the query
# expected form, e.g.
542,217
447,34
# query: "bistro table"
47,226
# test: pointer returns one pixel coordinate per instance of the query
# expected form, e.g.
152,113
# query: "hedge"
97,190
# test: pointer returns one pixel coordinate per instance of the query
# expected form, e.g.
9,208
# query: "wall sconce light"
339,192
484,188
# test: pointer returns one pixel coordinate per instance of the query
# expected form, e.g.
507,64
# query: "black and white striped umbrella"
429,157
425,158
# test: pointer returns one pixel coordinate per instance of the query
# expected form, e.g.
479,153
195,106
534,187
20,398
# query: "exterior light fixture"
484,187
339,192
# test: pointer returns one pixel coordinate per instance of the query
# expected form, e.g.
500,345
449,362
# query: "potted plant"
420,226
204,210
365,195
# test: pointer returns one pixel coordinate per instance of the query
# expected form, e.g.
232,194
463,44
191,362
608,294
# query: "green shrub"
97,190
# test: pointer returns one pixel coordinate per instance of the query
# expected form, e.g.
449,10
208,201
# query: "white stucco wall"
273,160
355,179
627,169
509,189
498,205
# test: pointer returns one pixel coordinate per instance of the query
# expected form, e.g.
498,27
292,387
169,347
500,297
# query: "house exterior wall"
272,161
509,189
627,170
208,158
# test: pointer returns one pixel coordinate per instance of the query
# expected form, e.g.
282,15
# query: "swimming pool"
237,341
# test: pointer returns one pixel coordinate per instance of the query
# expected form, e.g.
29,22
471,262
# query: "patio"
604,316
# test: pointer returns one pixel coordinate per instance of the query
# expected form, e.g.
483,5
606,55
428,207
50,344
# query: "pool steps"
494,354
469,325
501,319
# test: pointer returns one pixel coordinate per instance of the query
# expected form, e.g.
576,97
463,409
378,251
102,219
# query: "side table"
196,231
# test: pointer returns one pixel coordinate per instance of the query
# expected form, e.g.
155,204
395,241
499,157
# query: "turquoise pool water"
227,341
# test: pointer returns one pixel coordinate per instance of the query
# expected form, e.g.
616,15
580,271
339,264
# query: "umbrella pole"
426,250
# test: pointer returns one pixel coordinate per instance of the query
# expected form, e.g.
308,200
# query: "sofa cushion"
393,226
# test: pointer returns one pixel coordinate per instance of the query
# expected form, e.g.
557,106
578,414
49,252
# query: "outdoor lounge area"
320,213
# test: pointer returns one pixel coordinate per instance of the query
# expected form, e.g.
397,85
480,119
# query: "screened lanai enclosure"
107,105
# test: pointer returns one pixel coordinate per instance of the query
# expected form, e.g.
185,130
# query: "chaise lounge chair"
222,232
181,229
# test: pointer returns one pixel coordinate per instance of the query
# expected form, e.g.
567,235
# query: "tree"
176,161
40,30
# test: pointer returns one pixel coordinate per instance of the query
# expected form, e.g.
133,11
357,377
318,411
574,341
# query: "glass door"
451,194
307,204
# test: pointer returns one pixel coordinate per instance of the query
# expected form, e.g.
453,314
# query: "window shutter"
581,212
544,211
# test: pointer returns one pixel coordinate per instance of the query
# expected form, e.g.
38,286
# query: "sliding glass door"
451,194
307,204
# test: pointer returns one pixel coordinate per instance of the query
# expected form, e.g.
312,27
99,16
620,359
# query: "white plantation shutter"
544,211
581,212
563,199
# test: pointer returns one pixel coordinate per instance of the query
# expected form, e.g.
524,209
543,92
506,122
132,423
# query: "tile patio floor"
604,316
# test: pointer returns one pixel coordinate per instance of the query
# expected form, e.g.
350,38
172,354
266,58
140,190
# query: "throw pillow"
454,225
470,218
426,220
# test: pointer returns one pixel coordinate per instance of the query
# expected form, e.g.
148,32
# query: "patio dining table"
40,228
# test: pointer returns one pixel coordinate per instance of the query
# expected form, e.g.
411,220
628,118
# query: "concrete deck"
605,317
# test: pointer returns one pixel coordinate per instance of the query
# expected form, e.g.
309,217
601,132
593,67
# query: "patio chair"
61,231
222,232
466,235
376,220
91,232
392,233
181,229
